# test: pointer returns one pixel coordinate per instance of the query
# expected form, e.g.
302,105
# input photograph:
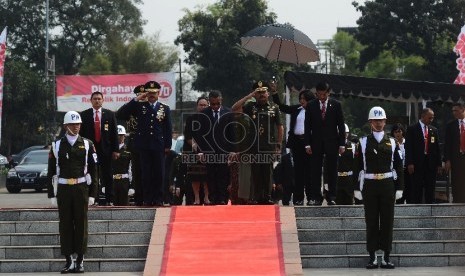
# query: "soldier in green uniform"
122,174
135,159
345,172
268,131
72,170
381,183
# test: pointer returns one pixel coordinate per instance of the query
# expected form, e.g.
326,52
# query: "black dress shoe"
69,268
79,268
387,265
331,202
299,203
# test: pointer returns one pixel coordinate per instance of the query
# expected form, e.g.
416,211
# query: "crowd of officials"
235,155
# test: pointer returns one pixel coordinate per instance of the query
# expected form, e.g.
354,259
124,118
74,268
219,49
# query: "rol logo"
165,90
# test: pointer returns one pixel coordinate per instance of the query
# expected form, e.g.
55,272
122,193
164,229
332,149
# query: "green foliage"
424,28
140,56
26,107
77,29
211,39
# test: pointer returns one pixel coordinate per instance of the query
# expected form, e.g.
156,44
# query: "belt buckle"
117,176
343,174
378,176
71,181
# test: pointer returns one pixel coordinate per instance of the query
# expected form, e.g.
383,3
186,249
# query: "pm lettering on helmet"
378,113
75,117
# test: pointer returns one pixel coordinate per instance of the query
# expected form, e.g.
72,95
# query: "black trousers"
152,176
330,153
136,177
72,210
302,170
422,184
378,201
105,172
218,181
121,189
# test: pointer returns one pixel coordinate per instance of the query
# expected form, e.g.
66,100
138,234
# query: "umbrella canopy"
279,42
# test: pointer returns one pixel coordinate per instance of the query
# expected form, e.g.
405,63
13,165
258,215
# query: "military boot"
79,264
385,263
69,266
373,263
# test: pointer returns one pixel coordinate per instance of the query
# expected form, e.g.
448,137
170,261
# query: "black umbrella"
280,43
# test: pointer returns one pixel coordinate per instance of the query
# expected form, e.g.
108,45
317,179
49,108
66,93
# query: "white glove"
399,194
103,189
53,200
131,192
358,195
91,200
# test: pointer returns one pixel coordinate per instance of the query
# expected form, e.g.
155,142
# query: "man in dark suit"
214,128
422,158
324,136
295,142
454,152
152,140
99,126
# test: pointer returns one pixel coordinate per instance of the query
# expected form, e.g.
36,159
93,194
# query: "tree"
140,56
211,39
77,28
26,107
423,28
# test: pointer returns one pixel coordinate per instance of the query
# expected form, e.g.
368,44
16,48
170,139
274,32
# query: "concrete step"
114,225
406,234
100,238
424,235
421,210
55,265
95,213
399,222
398,247
401,260
118,240
53,251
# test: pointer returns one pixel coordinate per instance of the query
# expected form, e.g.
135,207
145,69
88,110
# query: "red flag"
2,63
459,49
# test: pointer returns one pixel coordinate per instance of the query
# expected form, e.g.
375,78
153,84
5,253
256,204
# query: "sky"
318,19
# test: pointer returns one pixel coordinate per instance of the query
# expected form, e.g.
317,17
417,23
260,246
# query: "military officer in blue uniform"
381,183
72,170
152,140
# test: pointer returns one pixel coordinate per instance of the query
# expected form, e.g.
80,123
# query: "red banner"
73,92
2,66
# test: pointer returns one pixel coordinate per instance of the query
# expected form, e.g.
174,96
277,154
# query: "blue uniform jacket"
154,127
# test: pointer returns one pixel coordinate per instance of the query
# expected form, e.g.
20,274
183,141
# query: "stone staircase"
424,235
118,240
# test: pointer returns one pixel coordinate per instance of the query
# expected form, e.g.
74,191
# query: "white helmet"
346,127
72,117
121,130
377,113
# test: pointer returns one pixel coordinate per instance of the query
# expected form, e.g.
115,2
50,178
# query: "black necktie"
215,117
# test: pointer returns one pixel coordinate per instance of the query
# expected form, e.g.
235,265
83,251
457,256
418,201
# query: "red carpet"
223,240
